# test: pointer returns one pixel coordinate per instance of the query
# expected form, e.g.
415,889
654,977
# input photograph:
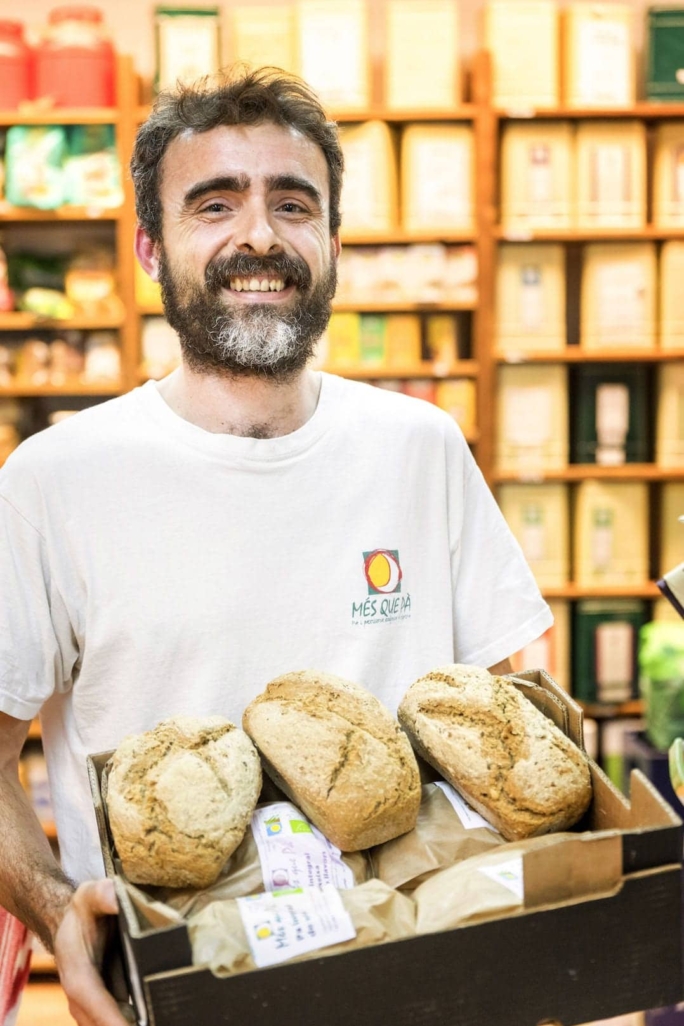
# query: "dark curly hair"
242,96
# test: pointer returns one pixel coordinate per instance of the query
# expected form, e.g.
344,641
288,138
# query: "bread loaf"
339,755
507,759
180,798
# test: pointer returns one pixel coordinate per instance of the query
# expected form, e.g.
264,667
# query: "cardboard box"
600,936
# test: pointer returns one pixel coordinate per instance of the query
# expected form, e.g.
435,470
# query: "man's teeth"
254,285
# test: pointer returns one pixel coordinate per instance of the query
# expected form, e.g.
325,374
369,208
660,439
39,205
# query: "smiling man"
174,549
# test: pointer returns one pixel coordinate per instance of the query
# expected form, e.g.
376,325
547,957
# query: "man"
173,550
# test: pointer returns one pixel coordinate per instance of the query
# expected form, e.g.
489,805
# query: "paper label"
604,55
470,819
442,174
509,874
602,539
614,660
293,853
612,423
539,177
531,298
621,295
533,535
611,179
333,51
188,49
284,924
528,416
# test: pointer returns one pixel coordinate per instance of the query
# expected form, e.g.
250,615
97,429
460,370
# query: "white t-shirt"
149,568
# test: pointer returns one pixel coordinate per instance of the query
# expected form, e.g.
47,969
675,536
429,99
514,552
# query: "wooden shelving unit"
460,369
595,472
576,354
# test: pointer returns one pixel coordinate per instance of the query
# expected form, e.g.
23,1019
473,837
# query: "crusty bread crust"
507,759
339,755
180,798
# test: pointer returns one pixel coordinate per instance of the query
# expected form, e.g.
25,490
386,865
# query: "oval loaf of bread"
180,798
339,755
513,765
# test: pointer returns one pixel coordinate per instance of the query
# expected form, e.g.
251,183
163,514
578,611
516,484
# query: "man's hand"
79,945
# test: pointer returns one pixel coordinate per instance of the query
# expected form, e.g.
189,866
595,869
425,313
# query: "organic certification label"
509,874
470,819
284,924
293,853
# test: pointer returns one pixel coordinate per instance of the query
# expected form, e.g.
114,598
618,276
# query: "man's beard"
260,339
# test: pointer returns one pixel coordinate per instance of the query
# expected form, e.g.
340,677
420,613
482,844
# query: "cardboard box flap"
573,868
95,765
552,700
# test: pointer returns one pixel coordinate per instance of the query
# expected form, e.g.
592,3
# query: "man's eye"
291,207
217,207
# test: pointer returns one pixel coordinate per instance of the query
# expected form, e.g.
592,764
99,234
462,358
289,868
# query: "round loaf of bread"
339,755
180,798
506,758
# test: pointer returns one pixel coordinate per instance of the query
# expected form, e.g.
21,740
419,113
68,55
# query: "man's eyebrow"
222,183
293,183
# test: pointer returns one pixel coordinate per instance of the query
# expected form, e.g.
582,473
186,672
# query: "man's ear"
336,245
147,253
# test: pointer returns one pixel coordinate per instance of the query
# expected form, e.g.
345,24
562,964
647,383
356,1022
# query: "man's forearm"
32,886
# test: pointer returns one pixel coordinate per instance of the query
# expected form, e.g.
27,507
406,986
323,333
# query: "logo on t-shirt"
384,601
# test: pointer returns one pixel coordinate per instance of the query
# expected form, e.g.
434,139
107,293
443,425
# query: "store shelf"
458,369
36,115
593,471
398,236
609,710
360,306
464,112
647,232
576,354
647,590
652,111
18,320
27,390
66,213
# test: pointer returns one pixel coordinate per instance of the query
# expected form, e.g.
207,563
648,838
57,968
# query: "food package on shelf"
92,172
422,62
90,284
147,292
457,397
264,36
619,296
404,349
372,340
668,175
551,651
33,362
10,417
610,414
610,174
532,418
670,424
530,298
605,638
49,303
672,295
370,202
343,341
461,275
102,358
442,339
186,44
421,388
333,47
437,178
672,530
599,66
539,517
536,175
611,534
66,360
522,37
160,347
34,171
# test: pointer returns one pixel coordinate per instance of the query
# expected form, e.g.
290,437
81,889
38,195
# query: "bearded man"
174,549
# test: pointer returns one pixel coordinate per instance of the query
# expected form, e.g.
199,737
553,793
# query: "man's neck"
247,406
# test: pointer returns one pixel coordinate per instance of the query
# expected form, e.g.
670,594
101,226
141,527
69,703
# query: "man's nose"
255,231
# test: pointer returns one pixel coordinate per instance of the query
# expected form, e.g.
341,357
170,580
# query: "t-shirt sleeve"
498,608
37,649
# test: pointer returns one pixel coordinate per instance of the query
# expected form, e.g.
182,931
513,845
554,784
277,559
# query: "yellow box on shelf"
530,298
370,199
403,341
536,175
532,419
672,531
551,651
598,55
522,37
538,516
611,174
264,35
671,311
619,296
457,397
422,61
668,175
437,178
373,340
333,54
611,534
343,341
147,292
441,339
670,418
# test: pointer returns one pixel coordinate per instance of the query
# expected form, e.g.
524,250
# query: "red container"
15,65
75,61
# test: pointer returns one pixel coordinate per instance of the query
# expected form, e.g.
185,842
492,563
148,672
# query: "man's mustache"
292,270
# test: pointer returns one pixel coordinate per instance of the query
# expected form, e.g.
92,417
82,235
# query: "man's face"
246,264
